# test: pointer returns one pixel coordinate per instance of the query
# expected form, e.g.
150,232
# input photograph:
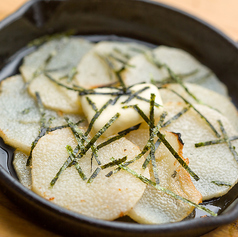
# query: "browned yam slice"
156,207
211,163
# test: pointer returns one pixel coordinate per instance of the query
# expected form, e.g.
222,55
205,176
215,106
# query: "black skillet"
149,22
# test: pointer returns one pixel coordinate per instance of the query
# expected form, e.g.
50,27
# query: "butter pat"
128,116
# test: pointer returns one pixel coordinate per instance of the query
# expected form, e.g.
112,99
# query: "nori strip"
92,104
221,183
72,154
175,117
201,115
87,147
114,162
170,193
97,114
231,148
117,137
213,142
94,175
133,95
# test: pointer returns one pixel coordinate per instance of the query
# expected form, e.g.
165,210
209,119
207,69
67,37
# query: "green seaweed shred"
94,175
221,183
175,117
201,115
97,114
92,104
43,128
170,193
117,137
72,154
165,142
46,38
114,162
227,140
214,142
133,95
26,111
87,147
151,140
81,139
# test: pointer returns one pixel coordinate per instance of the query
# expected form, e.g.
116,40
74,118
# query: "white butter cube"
128,116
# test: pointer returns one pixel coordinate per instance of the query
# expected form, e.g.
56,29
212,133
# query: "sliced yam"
54,96
106,197
156,207
19,124
20,117
120,52
128,116
57,58
22,170
143,71
97,68
211,163
206,96
179,61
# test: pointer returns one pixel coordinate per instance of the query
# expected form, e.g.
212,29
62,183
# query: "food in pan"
111,129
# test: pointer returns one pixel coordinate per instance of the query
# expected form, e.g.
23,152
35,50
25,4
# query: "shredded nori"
46,38
114,162
117,137
170,193
94,175
201,115
213,142
224,133
175,117
165,142
221,183
87,147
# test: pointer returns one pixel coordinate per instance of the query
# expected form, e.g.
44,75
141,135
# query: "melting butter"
128,116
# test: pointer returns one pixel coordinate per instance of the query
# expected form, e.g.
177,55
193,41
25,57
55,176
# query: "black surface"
142,20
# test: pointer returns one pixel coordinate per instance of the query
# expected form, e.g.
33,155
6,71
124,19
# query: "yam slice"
20,117
94,70
179,61
106,197
213,163
58,58
206,96
156,207
22,170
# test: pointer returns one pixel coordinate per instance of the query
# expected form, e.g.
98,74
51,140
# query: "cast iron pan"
145,21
